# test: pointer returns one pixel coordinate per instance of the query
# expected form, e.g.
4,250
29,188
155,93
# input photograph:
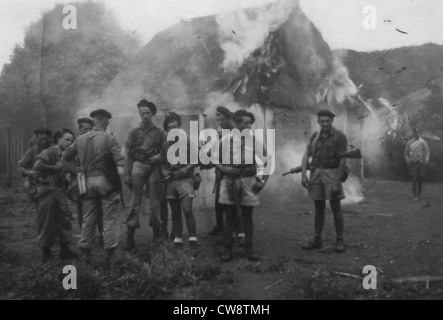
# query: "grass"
162,273
327,285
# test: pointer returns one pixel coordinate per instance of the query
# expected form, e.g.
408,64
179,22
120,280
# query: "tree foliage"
56,70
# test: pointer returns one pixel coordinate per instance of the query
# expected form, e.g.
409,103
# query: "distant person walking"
417,156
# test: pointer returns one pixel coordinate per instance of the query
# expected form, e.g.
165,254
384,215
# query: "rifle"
353,154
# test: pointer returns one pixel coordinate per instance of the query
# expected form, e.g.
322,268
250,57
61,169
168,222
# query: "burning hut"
271,60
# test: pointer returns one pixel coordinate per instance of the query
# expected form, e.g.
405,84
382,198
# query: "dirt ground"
387,230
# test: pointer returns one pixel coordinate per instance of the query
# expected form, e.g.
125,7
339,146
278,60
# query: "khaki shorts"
321,182
244,185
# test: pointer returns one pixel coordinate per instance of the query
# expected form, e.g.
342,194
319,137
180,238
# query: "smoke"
242,32
353,190
340,85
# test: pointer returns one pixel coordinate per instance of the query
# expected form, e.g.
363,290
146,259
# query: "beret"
325,113
243,113
224,111
85,120
101,113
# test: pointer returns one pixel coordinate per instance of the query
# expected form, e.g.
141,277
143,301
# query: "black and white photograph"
221,155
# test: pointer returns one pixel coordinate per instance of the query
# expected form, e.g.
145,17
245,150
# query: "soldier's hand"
154,159
305,182
59,166
335,189
258,186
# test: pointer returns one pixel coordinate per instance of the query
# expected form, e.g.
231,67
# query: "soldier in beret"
101,195
240,185
142,153
327,149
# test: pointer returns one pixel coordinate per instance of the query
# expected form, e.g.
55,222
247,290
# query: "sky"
339,21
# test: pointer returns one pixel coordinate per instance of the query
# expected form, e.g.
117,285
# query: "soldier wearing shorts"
240,186
417,156
327,149
180,191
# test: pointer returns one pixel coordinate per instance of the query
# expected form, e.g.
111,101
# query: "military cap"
325,113
85,120
239,114
149,104
417,129
225,111
43,131
101,113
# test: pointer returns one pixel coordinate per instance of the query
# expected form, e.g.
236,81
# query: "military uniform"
326,151
102,196
180,194
52,218
142,143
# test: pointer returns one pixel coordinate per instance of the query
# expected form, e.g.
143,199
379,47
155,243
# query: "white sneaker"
178,241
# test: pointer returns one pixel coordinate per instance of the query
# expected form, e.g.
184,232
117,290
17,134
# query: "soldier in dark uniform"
43,138
94,150
52,217
142,153
327,149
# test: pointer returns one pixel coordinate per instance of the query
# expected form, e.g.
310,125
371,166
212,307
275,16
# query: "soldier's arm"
42,164
427,152
342,146
407,150
26,163
127,154
70,152
117,153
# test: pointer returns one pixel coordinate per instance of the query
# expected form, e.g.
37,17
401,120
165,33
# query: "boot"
227,255
339,246
46,255
250,254
86,255
312,244
130,244
66,253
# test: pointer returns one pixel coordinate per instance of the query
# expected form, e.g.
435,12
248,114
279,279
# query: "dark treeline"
56,71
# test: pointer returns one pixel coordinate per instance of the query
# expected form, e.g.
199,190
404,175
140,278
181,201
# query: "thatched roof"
182,66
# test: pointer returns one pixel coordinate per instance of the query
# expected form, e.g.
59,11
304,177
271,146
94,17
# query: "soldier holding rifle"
328,150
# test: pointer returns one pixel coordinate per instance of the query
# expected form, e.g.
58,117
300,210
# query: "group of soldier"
87,170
